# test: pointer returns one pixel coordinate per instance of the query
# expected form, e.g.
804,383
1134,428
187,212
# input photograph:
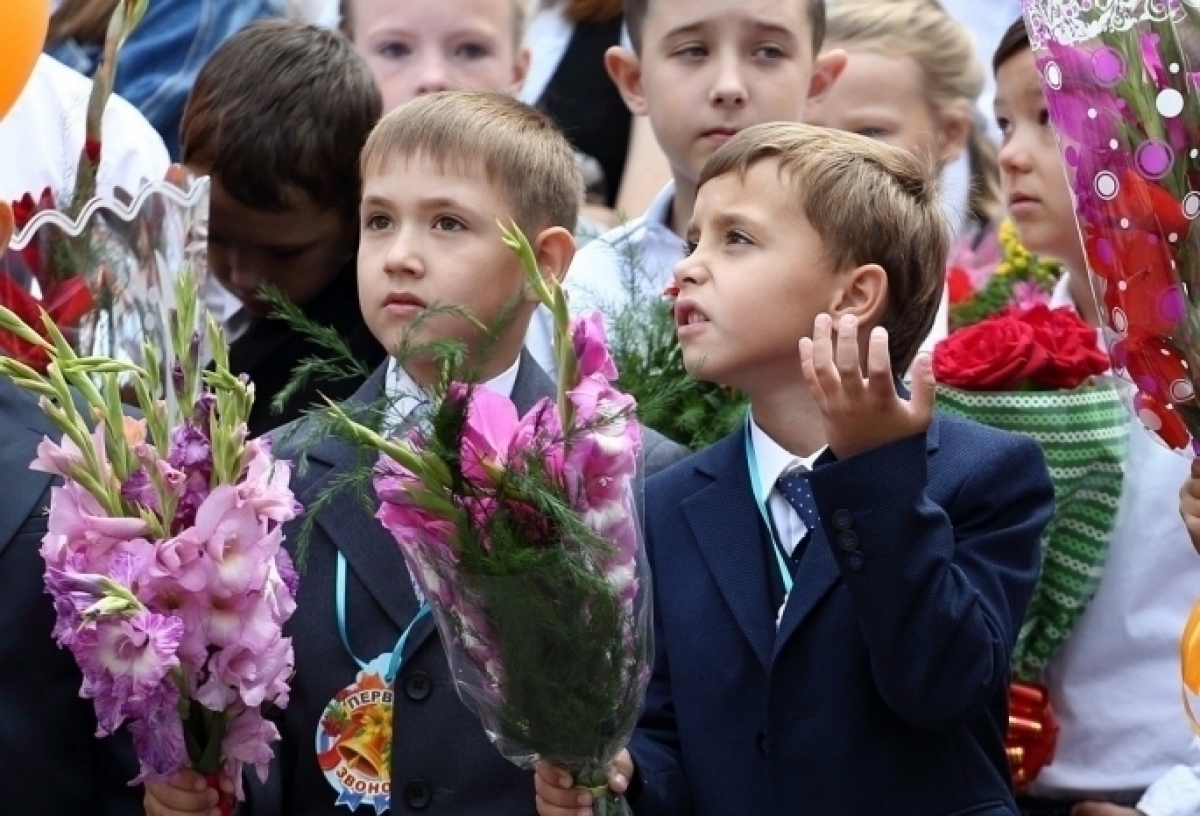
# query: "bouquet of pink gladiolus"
522,533
164,553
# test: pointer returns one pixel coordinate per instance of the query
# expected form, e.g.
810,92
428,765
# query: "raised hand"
862,412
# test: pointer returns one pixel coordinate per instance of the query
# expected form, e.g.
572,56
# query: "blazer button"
418,794
848,540
418,686
760,742
842,520
855,560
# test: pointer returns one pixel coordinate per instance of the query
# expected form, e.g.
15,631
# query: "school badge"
354,740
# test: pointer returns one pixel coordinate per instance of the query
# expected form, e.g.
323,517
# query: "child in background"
277,118
1124,746
439,176
701,72
416,48
912,79
839,585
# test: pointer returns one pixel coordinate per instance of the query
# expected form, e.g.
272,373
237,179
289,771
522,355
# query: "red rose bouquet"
1035,371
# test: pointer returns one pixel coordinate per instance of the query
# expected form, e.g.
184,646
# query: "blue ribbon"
398,652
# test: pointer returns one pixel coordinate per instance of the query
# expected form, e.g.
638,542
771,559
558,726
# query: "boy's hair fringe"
636,11
519,149
279,112
870,203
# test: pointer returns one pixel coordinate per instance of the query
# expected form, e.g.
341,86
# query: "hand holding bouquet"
522,534
164,553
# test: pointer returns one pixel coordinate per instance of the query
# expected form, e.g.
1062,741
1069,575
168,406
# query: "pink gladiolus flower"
159,743
487,438
539,434
57,459
596,479
248,742
265,484
591,347
235,539
252,676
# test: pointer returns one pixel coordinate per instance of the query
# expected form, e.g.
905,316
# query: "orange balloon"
23,25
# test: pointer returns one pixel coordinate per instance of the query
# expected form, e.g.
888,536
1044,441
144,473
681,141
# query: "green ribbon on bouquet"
1084,433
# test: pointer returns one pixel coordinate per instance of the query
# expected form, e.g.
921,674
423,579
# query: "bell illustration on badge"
354,740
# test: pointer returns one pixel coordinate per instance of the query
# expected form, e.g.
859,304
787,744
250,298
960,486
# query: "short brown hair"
870,203
280,110
346,18
519,148
636,10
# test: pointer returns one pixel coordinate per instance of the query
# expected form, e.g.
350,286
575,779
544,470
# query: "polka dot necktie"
795,488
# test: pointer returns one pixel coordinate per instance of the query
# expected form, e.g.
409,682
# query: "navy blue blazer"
884,689
50,760
442,760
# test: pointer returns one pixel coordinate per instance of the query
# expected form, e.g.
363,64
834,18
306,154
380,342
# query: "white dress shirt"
773,462
404,396
41,138
1115,685
637,257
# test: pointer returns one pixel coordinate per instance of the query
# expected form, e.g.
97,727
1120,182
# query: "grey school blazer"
442,762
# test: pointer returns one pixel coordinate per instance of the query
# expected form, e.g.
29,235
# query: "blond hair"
519,15
519,149
870,203
951,73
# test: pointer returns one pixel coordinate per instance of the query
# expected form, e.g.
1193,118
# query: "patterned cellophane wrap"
1084,433
122,254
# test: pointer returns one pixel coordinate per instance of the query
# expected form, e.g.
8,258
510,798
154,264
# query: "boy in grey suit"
440,175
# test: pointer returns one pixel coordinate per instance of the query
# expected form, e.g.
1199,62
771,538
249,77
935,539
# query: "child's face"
880,96
1035,187
430,235
710,68
299,250
416,47
753,250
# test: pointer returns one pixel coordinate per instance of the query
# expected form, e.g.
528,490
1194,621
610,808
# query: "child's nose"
433,76
729,90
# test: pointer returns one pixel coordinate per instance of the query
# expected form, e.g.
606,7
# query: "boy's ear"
520,70
827,67
554,248
625,69
863,293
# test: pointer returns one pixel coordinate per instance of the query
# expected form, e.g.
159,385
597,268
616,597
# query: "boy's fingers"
924,388
808,368
545,808
554,777
845,354
879,368
823,366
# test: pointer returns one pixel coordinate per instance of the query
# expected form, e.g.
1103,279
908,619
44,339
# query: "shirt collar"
659,211
1061,296
773,460
404,396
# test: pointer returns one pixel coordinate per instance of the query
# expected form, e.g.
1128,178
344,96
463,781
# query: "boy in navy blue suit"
838,585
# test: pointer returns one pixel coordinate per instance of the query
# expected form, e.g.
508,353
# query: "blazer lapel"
729,534
531,385
818,570
369,549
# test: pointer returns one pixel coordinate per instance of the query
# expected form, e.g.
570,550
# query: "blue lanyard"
760,499
398,652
